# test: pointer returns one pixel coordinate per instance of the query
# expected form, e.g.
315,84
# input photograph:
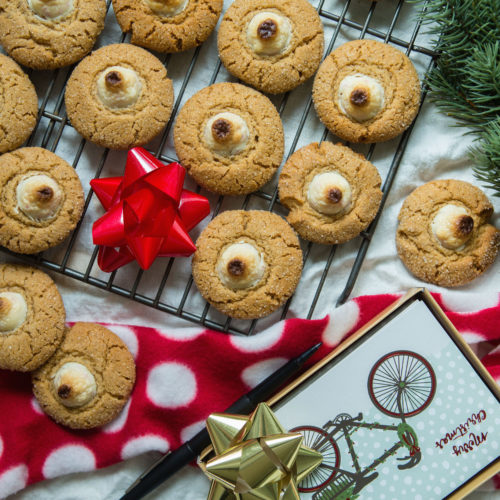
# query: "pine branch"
465,82
487,156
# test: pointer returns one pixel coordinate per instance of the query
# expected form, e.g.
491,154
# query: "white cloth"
436,151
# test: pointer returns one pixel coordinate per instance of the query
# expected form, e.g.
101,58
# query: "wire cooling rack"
343,20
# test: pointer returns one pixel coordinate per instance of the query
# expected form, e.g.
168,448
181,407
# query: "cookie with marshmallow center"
273,45
168,25
119,97
444,236
247,263
49,34
32,317
88,380
41,200
332,192
366,91
230,138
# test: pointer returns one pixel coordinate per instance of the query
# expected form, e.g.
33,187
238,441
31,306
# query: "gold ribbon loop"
255,458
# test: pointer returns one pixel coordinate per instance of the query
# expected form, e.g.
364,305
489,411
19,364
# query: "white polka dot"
469,302
437,490
472,337
341,321
171,385
68,459
128,336
36,407
191,430
119,422
182,334
259,342
13,480
143,444
1,446
259,371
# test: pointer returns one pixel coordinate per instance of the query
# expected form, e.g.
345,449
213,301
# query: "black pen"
171,463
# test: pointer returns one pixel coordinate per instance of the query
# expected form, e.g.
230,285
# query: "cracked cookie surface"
144,102
41,200
249,56
266,244
329,220
39,38
18,105
31,338
251,162
105,359
382,104
159,26
418,243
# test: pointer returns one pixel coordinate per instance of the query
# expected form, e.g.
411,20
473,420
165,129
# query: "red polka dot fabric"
183,376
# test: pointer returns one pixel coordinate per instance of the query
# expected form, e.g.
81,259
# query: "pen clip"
146,472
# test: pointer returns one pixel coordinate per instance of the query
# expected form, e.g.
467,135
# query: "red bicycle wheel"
402,383
318,439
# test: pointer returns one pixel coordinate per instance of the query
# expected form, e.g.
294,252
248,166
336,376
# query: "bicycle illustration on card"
401,384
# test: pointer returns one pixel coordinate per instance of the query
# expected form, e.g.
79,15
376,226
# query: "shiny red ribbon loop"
148,213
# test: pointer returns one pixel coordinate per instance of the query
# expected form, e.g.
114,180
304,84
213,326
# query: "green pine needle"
465,82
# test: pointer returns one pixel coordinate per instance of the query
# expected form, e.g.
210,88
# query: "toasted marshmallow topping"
118,87
226,133
269,33
52,10
74,385
329,193
241,266
167,8
13,311
39,197
452,226
360,97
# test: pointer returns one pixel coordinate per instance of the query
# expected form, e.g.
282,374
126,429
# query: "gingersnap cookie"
273,45
332,192
88,380
18,105
247,263
168,25
119,97
443,235
366,91
32,317
41,200
230,138
49,34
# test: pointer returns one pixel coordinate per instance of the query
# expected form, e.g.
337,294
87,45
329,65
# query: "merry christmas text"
473,439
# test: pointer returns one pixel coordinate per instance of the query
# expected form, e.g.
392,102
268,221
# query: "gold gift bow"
256,459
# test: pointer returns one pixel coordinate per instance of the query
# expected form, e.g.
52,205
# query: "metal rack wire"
52,123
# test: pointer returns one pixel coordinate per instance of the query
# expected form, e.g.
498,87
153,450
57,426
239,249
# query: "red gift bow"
148,213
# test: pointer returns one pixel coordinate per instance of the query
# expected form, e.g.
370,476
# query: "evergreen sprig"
465,82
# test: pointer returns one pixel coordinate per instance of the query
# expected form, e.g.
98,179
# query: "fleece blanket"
182,377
